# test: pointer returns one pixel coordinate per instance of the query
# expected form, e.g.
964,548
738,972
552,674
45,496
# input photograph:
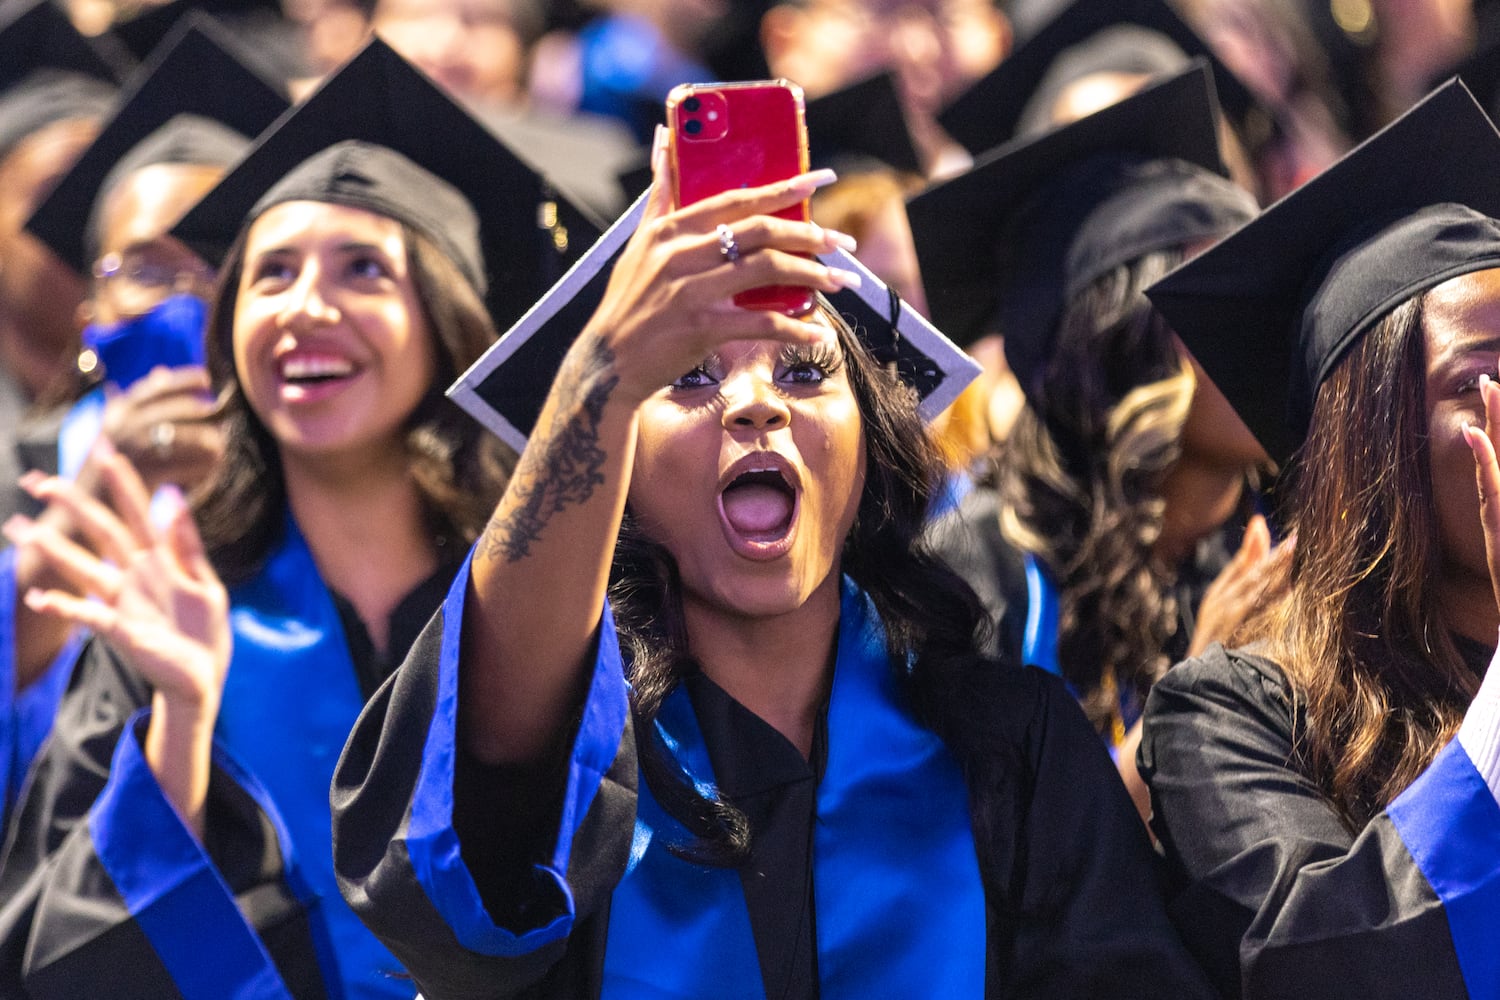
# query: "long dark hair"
1081,481
459,469
1361,632
932,619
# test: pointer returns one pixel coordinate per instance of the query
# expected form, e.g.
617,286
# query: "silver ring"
728,248
162,435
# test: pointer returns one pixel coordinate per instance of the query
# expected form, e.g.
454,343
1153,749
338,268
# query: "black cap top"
195,102
505,389
49,72
990,111
1010,242
142,33
529,233
1269,311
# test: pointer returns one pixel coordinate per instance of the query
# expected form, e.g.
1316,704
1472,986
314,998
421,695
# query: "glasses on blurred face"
141,278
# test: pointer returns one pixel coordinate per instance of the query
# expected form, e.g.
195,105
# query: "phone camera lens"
692,104
693,127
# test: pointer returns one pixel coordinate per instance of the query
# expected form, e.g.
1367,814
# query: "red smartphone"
737,135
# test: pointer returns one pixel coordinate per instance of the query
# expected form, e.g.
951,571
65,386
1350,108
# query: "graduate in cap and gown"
175,829
1122,487
1328,791
177,128
700,717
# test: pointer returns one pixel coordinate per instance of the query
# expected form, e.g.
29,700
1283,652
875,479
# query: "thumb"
659,201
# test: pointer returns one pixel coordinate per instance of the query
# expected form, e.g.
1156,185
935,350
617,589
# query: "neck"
365,530
777,667
1197,498
1469,604
34,365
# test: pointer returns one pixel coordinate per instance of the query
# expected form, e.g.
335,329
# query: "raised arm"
540,570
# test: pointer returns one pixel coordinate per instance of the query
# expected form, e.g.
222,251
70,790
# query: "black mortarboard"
49,72
1034,222
1270,310
195,102
529,233
505,389
860,124
989,113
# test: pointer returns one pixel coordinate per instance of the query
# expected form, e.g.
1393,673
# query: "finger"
132,499
182,536
730,206
1489,392
76,566
760,232
101,618
770,267
164,381
734,323
104,531
1257,541
659,202
177,407
1487,478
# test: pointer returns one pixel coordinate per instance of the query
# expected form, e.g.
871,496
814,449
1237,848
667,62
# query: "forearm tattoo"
560,466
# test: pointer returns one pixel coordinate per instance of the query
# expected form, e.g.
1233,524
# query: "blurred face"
39,291
1461,327
749,470
139,264
330,340
471,47
1213,431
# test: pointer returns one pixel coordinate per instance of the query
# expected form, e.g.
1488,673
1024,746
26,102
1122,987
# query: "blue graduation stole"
290,700
900,903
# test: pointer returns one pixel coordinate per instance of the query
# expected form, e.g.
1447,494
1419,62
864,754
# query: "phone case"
737,135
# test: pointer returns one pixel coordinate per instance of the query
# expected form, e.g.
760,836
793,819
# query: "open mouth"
304,376
759,507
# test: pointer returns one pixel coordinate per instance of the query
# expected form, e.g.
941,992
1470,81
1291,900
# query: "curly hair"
1080,484
933,621
459,469
1361,632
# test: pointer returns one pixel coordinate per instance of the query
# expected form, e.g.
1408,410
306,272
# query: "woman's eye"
368,268
275,271
695,379
809,366
804,373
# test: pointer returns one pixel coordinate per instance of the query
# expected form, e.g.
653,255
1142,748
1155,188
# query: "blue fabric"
899,900
169,335
171,887
1450,823
627,66
1039,645
290,700
432,844
79,430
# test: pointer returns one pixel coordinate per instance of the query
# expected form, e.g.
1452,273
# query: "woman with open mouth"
701,718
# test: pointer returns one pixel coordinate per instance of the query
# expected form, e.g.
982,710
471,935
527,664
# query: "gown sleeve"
1279,898
484,881
102,882
1090,920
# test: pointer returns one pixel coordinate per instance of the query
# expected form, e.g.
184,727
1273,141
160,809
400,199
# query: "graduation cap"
1270,310
505,389
990,111
859,125
49,72
195,102
380,135
1034,222
145,31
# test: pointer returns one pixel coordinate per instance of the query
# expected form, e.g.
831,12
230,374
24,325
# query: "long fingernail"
841,240
809,182
845,279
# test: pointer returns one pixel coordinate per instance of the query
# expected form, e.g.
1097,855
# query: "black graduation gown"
1073,906
66,929
1275,896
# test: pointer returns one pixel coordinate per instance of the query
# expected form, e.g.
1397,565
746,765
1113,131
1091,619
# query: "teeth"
301,368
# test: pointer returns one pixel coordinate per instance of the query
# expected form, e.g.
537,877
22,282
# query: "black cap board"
142,33
989,112
860,125
527,230
50,72
1005,245
1270,310
505,389
196,101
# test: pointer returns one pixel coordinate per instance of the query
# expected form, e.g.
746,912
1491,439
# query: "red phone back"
738,135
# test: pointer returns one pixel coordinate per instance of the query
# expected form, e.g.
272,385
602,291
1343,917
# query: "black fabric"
1271,309
1007,243
1068,874
1274,895
49,72
198,101
406,621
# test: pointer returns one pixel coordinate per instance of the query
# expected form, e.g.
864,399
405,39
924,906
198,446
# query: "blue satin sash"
900,904
1039,642
290,700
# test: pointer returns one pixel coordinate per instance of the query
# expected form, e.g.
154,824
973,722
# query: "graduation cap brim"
39,36
506,388
958,223
1238,307
529,230
988,113
200,70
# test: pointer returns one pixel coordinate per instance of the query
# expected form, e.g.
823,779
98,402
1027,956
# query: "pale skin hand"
1487,475
159,604
540,571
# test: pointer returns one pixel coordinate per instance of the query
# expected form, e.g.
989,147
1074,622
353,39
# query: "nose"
305,306
752,403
